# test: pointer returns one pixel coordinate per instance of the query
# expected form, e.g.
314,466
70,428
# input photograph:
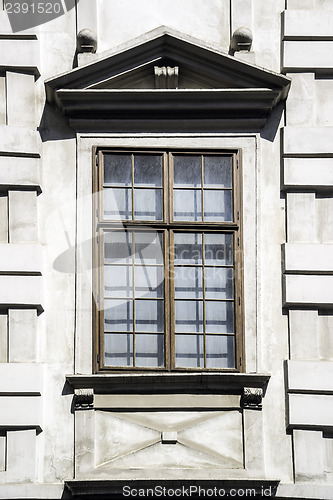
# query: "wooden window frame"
168,227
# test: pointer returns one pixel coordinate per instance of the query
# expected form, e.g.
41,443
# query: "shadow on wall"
54,126
272,124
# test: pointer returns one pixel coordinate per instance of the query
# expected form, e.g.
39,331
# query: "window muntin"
175,303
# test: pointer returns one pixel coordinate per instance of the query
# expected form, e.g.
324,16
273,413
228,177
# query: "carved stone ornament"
166,77
83,399
252,397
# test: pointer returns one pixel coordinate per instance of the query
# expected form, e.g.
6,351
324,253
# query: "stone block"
307,55
308,455
19,171
307,140
310,376
21,259
304,257
300,4
3,107
3,449
308,173
21,379
310,411
324,102
21,456
307,290
307,24
300,105
253,441
15,140
20,54
20,90
21,291
324,218
3,218
3,337
21,411
5,26
22,216
311,335
22,336
301,217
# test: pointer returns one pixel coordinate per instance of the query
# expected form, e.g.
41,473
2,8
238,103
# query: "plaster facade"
69,432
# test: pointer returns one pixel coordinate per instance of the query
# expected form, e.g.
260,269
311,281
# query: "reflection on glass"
117,203
118,349
148,204
189,351
188,248
188,282
217,205
149,281
149,316
118,281
220,351
219,317
187,170
118,169
117,247
118,315
219,283
148,170
189,316
148,247
187,204
149,350
218,249
218,171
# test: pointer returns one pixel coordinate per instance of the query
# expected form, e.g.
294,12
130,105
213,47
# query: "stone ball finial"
86,41
241,39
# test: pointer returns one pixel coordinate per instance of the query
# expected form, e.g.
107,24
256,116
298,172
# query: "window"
168,261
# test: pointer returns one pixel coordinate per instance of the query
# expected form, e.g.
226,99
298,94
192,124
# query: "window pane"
118,281
217,205
118,315
218,171
118,349
149,315
149,350
219,283
149,281
118,169
148,247
189,316
188,282
187,204
148,170
117,203
188,248
219,317
189,351
117,247
187,170
148,204
220,351
218,249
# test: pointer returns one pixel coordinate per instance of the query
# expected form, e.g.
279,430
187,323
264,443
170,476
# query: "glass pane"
187,204
219,317
218,171
187,170
189,316
188,248
148,204
118,281
149,281
148,170
149,315
118,169
217,205
219,283
218,249
118,315
118,349
220,351
188,282
149,350
117,247
117,203
148,247
189,351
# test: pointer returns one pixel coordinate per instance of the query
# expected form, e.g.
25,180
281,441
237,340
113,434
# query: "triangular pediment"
167,71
